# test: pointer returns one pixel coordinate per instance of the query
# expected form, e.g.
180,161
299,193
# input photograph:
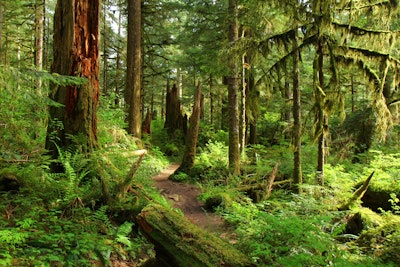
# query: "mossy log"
261,189
183,243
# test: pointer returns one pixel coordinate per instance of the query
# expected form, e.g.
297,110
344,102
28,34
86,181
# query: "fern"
123,232
9,238
101,216
75,171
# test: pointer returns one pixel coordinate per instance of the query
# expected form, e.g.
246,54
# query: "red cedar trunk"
76,53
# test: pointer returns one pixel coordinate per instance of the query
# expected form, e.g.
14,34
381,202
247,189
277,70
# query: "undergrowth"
307,229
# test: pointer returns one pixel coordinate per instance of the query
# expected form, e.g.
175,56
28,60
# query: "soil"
185,197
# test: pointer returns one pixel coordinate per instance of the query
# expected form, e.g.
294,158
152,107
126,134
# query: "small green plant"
180,177
394,202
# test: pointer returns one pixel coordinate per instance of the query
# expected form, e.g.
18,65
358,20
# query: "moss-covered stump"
183,243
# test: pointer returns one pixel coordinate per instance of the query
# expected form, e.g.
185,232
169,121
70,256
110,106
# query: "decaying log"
262,188
358,194
183,243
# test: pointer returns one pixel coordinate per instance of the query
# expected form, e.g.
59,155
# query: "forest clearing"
199,133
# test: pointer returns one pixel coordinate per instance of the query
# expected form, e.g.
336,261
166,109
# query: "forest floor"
185,197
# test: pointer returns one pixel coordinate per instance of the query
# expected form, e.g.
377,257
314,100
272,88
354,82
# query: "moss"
219,200
185,242
383,241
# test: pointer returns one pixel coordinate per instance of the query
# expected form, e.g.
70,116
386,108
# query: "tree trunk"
46,41
243,124
105,55
134,69
285,90
254,108
297,170
146,126
173,114
76,53
39,16
233,107
211,100
321,116
118,60
192,136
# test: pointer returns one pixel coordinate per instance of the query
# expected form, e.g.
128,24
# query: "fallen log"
184,244
261,190
358,194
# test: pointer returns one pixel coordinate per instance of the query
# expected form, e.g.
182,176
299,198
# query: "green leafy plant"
282,238
75,166
180,177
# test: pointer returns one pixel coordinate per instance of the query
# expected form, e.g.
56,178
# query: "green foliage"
282,238
261,160
50,237
208,133
75,166
180,177
383,240
211,164
172,147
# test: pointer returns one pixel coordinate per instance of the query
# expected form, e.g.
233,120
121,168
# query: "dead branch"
271,181
124,186
358,194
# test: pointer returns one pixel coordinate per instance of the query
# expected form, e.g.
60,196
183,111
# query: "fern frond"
101,215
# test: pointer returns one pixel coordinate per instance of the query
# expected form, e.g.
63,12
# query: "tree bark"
134,69
254,108
105,54
233,107
193,133
297,170
146,126
321,116
39,17
76,53
211,100
173,114
243,122
118,60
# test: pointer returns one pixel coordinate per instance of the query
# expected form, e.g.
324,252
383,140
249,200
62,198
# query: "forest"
199,133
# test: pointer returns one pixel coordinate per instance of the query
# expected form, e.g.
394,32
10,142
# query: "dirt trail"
184,196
